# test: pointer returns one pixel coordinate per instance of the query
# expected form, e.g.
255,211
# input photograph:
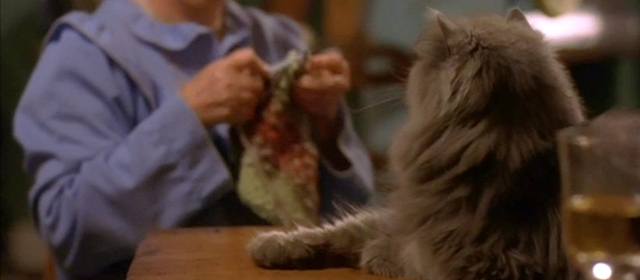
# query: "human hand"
319,91
326,80
227,90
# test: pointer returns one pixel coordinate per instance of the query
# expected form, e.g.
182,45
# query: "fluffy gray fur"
477,192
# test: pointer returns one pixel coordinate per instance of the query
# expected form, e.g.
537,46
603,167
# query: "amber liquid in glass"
602,228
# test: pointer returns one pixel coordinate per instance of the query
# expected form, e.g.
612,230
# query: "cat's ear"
449,30
430,14
516,15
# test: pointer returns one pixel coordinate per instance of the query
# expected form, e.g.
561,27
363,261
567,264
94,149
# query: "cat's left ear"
450,31
516,15
430,14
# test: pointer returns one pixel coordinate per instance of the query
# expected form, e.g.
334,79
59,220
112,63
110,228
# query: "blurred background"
598,40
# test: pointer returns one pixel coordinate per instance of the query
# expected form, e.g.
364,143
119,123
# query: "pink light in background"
575,30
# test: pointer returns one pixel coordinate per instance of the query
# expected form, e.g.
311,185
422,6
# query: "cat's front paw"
278,249
382,267
376,258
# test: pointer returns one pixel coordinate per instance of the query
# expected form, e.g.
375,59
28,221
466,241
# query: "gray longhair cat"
477,183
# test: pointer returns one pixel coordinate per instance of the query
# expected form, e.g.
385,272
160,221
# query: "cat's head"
481,87
482,66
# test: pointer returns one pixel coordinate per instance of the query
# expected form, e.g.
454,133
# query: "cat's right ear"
516,15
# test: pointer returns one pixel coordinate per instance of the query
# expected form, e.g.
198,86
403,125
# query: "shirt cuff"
348,143
181,137
177,130
342,143
353,185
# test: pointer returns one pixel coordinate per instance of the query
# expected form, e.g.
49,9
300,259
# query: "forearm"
107,166
95,213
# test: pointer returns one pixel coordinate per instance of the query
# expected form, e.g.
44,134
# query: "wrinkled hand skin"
326,80
227,90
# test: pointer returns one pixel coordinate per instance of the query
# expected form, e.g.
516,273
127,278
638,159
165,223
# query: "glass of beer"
600,171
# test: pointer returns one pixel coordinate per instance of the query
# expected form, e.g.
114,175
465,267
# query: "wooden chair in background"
49,272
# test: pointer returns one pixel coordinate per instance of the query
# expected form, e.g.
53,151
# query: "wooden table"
215,254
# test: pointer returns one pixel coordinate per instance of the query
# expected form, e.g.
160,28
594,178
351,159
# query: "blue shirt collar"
176,37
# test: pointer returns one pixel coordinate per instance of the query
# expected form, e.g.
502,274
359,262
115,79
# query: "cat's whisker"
360,110
402,78
381,93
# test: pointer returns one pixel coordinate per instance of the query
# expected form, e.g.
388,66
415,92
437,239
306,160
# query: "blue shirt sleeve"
101,181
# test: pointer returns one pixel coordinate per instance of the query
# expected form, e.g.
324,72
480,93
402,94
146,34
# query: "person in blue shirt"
125,124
